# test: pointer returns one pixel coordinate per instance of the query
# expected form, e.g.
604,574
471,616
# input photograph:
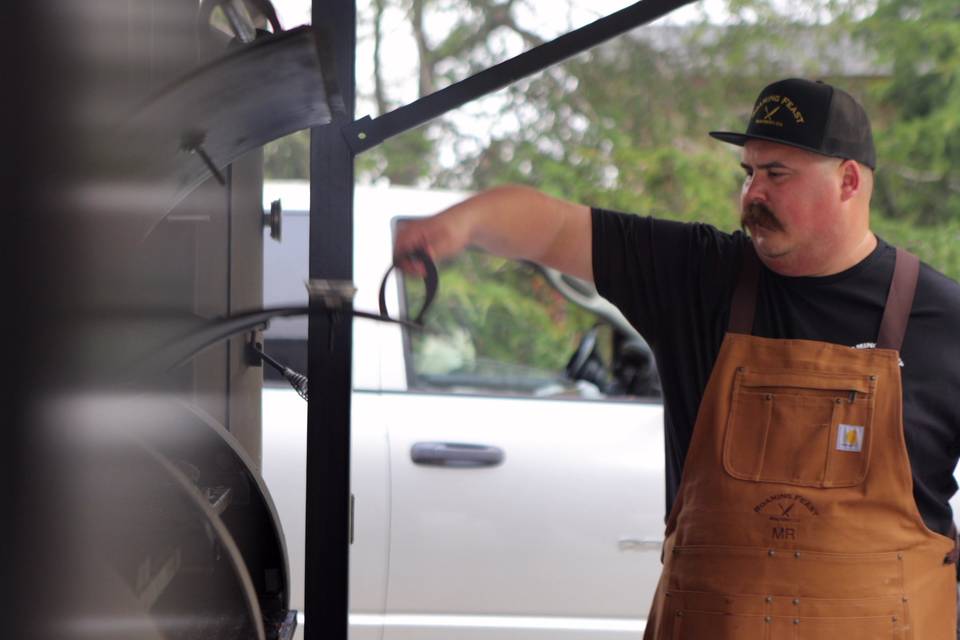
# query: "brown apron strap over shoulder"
896,312
954,556
744,301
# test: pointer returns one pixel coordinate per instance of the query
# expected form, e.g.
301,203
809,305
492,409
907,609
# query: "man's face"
790,204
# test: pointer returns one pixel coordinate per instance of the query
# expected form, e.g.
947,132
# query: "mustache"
760,215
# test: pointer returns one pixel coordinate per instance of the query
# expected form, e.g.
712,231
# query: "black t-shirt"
674,281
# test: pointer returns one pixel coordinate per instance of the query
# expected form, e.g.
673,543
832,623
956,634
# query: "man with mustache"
803,359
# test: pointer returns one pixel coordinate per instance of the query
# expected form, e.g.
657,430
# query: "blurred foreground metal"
135,504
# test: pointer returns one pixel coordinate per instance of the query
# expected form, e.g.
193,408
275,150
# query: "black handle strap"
431,280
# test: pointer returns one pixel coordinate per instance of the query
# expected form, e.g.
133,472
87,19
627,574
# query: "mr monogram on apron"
795,517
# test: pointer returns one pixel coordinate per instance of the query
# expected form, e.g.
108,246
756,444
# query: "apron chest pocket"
810,429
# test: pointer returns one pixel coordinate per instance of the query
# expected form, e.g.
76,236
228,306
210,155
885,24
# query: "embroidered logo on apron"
785,511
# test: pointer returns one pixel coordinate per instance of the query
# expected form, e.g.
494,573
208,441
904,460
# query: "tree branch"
427,80
378,91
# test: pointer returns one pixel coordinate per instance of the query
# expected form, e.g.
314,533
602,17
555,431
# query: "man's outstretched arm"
510,221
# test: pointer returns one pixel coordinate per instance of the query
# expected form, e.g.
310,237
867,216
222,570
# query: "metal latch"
332,294
273,220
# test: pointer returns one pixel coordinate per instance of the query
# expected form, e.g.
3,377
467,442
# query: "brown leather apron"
795,516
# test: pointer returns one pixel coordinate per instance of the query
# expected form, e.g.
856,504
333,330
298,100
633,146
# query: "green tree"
288,158
919,137
624,125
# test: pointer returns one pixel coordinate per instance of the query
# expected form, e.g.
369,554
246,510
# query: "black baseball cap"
810,115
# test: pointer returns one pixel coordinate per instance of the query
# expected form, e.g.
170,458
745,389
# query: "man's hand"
441,236
513,222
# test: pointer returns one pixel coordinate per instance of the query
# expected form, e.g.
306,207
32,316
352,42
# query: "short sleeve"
661,273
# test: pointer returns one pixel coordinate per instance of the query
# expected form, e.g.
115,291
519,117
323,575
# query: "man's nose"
754,191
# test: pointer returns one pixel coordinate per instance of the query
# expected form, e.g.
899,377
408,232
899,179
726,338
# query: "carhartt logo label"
772,109
850,438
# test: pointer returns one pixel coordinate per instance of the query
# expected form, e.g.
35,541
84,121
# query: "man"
811,407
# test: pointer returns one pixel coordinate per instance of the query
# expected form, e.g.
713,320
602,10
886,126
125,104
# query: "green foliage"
936,245
406,159
510,312
919,137
624,125
288,158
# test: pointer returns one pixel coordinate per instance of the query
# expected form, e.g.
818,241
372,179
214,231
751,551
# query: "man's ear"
851,179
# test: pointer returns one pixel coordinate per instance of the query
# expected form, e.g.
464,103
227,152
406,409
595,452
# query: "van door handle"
455,454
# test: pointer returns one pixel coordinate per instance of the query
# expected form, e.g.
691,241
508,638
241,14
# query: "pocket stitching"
728,437
860,381
868,438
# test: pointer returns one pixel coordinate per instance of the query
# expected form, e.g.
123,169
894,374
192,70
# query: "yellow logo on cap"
770,105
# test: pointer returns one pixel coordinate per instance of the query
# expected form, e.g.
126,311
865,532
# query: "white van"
495,498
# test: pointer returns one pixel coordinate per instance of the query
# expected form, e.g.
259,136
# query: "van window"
498,326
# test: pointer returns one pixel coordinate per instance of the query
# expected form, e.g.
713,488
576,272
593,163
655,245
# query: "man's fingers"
440,237
409,263
412,237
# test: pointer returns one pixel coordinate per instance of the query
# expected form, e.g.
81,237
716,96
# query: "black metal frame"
329,341
367,133
333,149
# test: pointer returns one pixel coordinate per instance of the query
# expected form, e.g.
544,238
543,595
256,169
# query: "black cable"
182,349
297,380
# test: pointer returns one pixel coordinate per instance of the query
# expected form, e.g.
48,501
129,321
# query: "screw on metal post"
192,141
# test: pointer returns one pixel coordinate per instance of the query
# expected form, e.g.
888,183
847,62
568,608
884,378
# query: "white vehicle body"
560,540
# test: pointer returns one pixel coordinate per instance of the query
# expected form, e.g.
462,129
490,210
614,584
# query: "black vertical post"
328,415
31,144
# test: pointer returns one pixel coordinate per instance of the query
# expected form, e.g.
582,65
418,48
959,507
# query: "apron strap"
744,301
896,312
954,555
